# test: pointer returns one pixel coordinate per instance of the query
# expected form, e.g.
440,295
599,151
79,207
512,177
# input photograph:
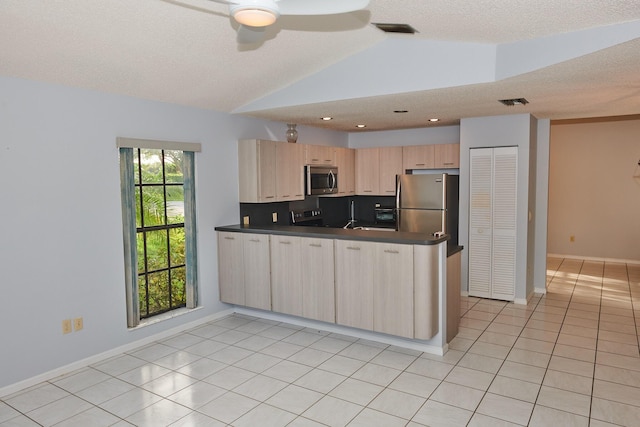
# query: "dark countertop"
342,234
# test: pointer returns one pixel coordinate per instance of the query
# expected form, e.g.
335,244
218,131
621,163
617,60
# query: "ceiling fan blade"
319,7
248,35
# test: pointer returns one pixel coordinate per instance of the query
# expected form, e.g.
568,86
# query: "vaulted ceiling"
568,59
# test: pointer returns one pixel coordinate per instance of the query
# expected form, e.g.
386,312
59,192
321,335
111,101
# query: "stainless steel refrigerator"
428,203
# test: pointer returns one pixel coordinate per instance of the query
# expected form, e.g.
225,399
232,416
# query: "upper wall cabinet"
447,156
435,156
418,157
345,161
320,155
270,171
376,170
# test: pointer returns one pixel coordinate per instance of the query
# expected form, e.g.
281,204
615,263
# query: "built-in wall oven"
385,215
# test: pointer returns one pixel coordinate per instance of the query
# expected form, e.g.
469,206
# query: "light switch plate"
274,216
245,220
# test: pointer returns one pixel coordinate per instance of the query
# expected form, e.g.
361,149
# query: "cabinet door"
345,160
390,166
354,283
257,170
447,156
289,172
393,290
318,282
286,277
367,171
320,155
230,268
257,274
418,157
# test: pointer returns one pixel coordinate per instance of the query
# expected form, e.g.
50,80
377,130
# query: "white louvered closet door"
492,222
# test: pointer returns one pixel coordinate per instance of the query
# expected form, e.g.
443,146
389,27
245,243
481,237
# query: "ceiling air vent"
514,101
395,28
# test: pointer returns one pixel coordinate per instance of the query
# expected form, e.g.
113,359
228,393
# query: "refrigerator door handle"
398,181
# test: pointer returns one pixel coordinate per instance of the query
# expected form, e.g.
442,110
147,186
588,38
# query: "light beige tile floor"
569,358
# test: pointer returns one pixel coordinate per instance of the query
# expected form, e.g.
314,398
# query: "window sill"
164,316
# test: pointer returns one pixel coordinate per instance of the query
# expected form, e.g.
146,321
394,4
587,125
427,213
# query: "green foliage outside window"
159,196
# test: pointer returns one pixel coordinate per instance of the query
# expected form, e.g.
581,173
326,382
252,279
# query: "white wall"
593,194
61,230
499,131
433,135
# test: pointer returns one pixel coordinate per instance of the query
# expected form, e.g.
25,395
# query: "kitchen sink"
374,228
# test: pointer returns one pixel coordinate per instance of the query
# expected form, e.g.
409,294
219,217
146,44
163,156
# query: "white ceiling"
570,59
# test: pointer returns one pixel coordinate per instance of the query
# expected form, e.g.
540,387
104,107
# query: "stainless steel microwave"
321,180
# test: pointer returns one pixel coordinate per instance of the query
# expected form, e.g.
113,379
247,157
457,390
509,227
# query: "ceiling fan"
254,16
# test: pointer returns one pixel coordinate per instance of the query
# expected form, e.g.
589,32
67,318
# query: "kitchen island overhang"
386,287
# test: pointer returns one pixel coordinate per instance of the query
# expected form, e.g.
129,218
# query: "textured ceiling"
569,59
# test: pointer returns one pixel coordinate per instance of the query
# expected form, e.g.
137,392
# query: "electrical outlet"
66,326
77,324
572,238
274,217
245,220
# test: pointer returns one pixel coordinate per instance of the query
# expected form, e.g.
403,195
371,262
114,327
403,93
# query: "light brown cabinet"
354,283
418,157
320,155
302,277
367,171
390,288
286,275
318,283
244,269
289,172
393,290
270,171
447,156
345,160
374,286
376,170
390,166
437,156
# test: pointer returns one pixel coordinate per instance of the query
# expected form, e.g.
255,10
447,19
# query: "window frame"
127,183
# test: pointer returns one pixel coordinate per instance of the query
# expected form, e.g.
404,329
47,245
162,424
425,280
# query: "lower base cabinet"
302,277
383,287
354,283
374,286
318,283
244,270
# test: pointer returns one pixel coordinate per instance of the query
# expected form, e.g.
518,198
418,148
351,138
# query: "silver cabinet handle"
448,163
285,243
389,251
353,248
419,164
315,245
254,240
229,238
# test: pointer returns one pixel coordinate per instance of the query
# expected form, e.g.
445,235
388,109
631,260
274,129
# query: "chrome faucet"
352,214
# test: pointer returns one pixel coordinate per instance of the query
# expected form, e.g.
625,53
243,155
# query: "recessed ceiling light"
327,118
400,111
361,126
434,120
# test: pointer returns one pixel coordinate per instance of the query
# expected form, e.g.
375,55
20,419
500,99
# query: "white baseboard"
600,259
344,330
92,360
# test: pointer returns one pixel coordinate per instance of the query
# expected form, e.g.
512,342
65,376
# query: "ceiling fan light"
254,17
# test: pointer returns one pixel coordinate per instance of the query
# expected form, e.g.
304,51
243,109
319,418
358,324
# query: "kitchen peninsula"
391,287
